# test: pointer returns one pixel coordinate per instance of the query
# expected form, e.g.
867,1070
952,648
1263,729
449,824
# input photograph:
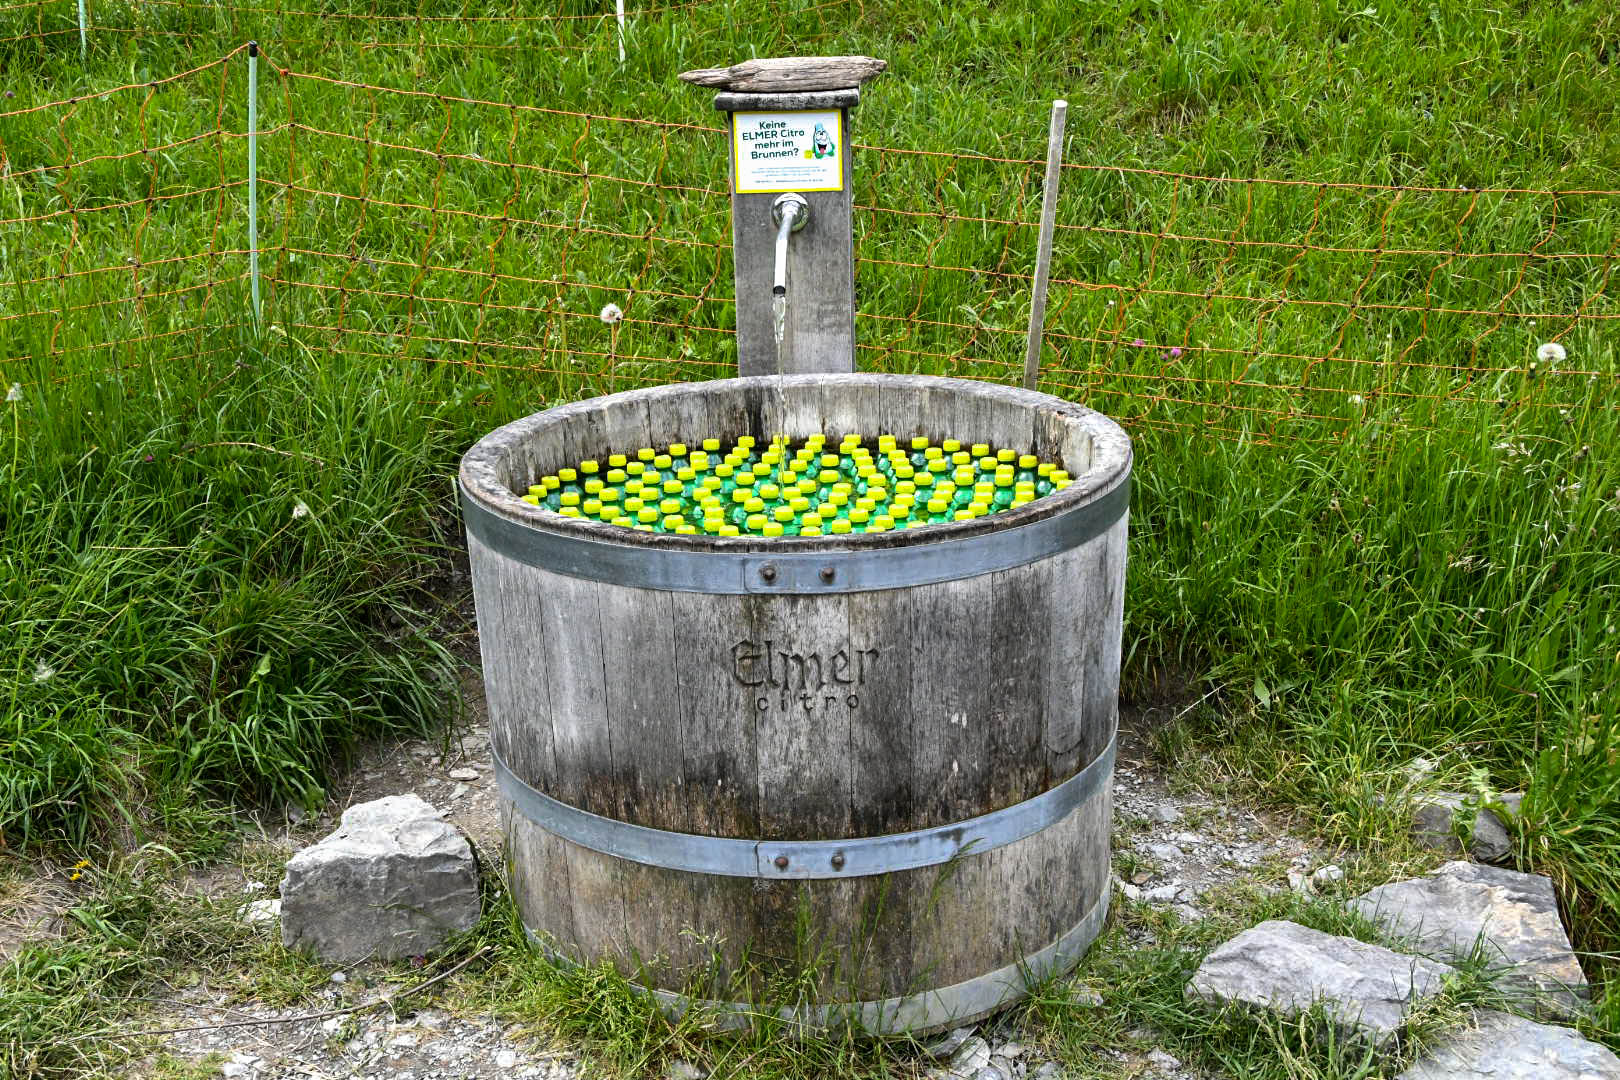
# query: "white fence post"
1043,254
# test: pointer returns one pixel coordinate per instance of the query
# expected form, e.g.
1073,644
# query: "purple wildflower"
1138,343
1175,352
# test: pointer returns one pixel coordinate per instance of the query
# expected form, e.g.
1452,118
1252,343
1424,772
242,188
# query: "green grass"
1360,511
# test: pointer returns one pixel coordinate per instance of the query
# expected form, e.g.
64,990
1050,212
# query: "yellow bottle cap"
1028,461
670,506
828,476
592,507
788,476
919,442
570,498
938,506
616,461
1059,476
981,449
883,522
634,503
859,516
837,497
635,468
933,453
772,529
643,527
784,514
1061,484
1017,502
686,530
745,441
925,479
730,530
623,521
677,449
593,485
799,504
746,477
567,476
647,514
1006,455
938,465
673,521
617,476
754,505
672,487
711,445
829,461
741,495
610,494
662,461
769,491
700,462
590,468
916,522
812,518
687,473
964,515
885,443
646,453
810,530
905,487
532,500
839,527
1044,468
961,457
570,511
756,522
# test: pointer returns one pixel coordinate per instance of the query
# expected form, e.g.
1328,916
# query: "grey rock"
1163,894
1164,814
1301,882
1438,819
991,1071
680,1069
468,775
1286,968
971,1056
1010,1051
1188,839
1327,875
261,911
1163,1062
1165,852
394,880
505,1059
1504,1047
1512,916
1046,1071
949,1043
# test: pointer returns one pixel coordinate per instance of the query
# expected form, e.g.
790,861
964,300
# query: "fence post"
1043,254
84,35
253,177
619,4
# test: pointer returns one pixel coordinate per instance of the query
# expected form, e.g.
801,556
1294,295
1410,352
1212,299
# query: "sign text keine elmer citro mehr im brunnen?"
787,151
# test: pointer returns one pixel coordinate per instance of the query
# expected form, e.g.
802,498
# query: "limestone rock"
1437,820
1513,916
1286,968
394,880
1504,1047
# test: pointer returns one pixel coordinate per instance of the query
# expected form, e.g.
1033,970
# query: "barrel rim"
480,469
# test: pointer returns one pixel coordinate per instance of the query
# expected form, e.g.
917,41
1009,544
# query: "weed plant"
1365,514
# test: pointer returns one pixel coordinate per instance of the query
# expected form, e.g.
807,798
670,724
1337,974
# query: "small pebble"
1328,875
338,976
1165,814
464,774
459,790
949,1044
505,1059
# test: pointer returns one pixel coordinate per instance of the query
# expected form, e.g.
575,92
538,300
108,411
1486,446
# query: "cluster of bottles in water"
809,490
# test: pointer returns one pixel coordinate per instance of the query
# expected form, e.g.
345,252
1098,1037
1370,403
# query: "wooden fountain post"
788,131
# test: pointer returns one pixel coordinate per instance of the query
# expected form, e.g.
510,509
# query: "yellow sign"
787,151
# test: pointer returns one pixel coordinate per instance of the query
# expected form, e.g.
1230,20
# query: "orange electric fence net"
586,253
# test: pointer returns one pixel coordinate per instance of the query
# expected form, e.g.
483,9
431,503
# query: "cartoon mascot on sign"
823,142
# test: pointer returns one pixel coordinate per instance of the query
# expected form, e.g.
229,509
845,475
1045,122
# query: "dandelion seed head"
1551,353
15,393
43,672
300,510
1357,399
612,313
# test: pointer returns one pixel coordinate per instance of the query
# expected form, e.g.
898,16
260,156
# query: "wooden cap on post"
789,75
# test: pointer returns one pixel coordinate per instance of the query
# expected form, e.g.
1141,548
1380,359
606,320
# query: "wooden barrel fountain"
886,758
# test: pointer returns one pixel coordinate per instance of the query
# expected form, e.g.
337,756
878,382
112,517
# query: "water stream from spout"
779,329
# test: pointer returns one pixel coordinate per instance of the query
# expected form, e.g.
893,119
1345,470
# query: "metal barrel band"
927,1010
806,859
854,570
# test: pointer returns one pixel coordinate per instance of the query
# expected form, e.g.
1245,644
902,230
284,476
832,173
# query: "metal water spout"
790,212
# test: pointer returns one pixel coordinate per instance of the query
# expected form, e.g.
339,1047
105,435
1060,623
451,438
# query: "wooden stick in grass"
1043,253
